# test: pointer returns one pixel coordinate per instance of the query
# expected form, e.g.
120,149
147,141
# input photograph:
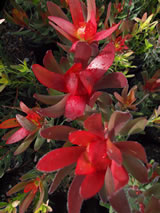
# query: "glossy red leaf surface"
84,166
74,198
24,108
50,62
17,136
104,60
59,158
76,12
81,137
120,176
48,78
10,123
117,121
105,33
92,184
80,57
87,80
75,106
114,153
58,132
94,124
112,80
132,148
65,25
91,8
71,81
61,31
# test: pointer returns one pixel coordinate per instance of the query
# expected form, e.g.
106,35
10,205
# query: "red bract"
120,43
27,126
32,186
127,100
19,17
98,158
80,85
152,84
84,27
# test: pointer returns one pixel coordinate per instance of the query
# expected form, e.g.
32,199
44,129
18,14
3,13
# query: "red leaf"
84,166
117,120
102,62
17,136
112,80
65,25
26,202
10,123
87,80
59,158
24,108
71,83
120,176
76,12
81,137
74,198
55,10
48,99
61,31
120,203
75,106
54,111
105,33
93,98
18,187
60,175
80,57
91,8
50,62
25,123
94,124
48,78
114,153
153,205
136,168
57,132
92,184
109,184
132,148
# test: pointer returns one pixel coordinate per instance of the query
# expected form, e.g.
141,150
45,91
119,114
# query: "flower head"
79,84
84,26
27,126
152,84
126,101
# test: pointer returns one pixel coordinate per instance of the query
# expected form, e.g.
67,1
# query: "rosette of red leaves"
84,27
102,165
25,127
81,85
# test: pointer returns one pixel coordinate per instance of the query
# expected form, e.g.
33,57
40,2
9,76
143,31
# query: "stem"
146,96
